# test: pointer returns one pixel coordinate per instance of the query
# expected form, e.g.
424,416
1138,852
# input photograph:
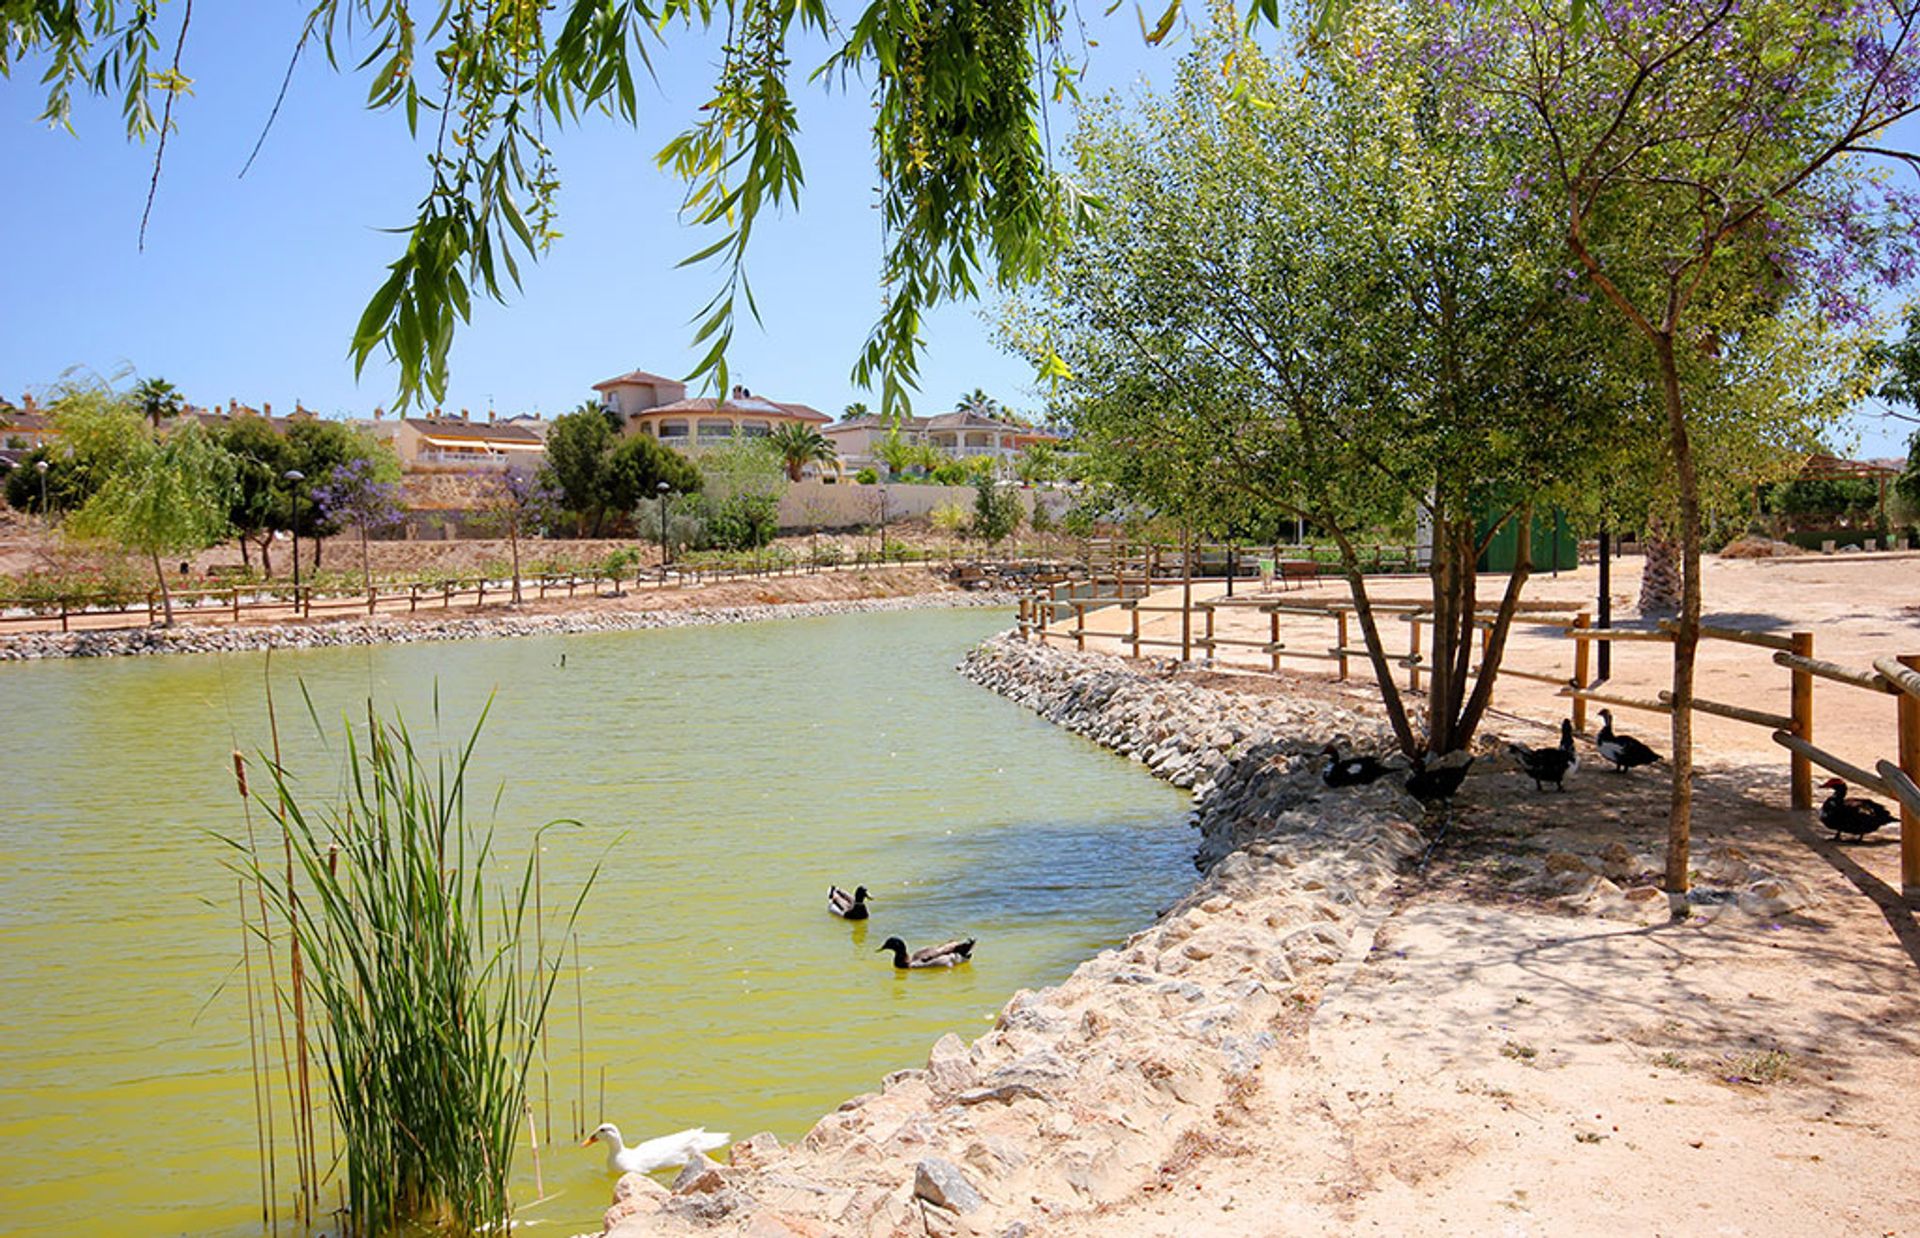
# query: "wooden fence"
234,602
1044,614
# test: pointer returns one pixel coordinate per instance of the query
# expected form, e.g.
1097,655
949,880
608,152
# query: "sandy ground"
1497,1064
1493,1065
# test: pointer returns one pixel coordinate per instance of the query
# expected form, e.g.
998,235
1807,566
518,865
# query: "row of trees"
1476,261
123,474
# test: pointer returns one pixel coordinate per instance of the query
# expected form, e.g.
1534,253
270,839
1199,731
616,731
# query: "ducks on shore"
1624,751
1549,765
1353,771
1843,816
947,954
847,906
666,1152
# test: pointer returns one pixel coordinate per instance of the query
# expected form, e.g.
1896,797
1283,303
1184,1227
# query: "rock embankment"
135,642
1096,1090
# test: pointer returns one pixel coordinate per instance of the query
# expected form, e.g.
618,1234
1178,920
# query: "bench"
1304,571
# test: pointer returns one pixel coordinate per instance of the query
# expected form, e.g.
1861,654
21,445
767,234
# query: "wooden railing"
1041,615
98,612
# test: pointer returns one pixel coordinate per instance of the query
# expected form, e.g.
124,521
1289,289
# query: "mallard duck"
1624,751
1856,817
662,1153
1549,765
1353,771
1437,784
847,906
951,954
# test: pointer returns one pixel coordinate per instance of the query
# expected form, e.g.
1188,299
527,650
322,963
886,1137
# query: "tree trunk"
166,597
1687,638
1376,650
266,557
246,558
1661,582
513,541
318,542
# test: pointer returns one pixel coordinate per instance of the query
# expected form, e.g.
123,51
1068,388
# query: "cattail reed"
408,988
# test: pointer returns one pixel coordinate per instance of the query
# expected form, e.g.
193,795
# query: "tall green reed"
411,967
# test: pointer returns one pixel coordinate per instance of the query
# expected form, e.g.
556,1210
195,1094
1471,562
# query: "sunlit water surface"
725,774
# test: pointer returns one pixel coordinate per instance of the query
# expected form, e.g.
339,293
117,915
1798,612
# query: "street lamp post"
663,488
294,477
40,467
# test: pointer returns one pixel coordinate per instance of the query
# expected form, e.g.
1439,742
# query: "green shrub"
950,518
866,477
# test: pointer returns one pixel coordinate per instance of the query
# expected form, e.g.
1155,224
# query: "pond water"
725,775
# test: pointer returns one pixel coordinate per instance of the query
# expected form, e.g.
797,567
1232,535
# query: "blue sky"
249,288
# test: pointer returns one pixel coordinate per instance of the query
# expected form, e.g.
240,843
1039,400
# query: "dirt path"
1494,1065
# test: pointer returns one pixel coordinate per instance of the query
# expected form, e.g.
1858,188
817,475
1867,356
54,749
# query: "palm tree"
855,410
980,404
157,398
896,452
799,445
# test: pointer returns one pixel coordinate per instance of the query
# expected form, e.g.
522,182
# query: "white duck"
663,1153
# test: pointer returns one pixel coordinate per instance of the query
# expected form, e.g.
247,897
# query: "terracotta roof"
745,406
31,423
1820,466
476,431
637,377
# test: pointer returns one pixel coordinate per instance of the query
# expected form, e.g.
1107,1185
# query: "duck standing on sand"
1856,817
1353,771
1549,765
847,906
948,954
1624,751
663,1153
1438,783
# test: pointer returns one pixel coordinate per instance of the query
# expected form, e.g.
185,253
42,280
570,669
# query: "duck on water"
666,1152
947,954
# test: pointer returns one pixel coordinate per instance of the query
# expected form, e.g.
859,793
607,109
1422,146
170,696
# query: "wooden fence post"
1581,654
1080,625
413,597
480,593
1413,654
1209,634
1273,638
1910,765
1135,608
1801,697
63,615
236,603
1341,641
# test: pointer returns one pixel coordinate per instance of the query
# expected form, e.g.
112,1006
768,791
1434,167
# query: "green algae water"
723,775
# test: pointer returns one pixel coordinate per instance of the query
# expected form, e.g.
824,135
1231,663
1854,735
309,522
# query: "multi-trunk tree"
1311,294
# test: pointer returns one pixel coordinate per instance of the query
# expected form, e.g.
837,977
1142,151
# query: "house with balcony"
961,435
447,444
659,407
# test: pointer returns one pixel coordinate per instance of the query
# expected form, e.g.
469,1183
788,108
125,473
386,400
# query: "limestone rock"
700,1176
941,1184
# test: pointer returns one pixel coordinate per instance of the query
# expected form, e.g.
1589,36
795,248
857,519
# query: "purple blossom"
352,494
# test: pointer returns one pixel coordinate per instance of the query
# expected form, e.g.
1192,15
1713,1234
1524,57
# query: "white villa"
958,434
657,406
